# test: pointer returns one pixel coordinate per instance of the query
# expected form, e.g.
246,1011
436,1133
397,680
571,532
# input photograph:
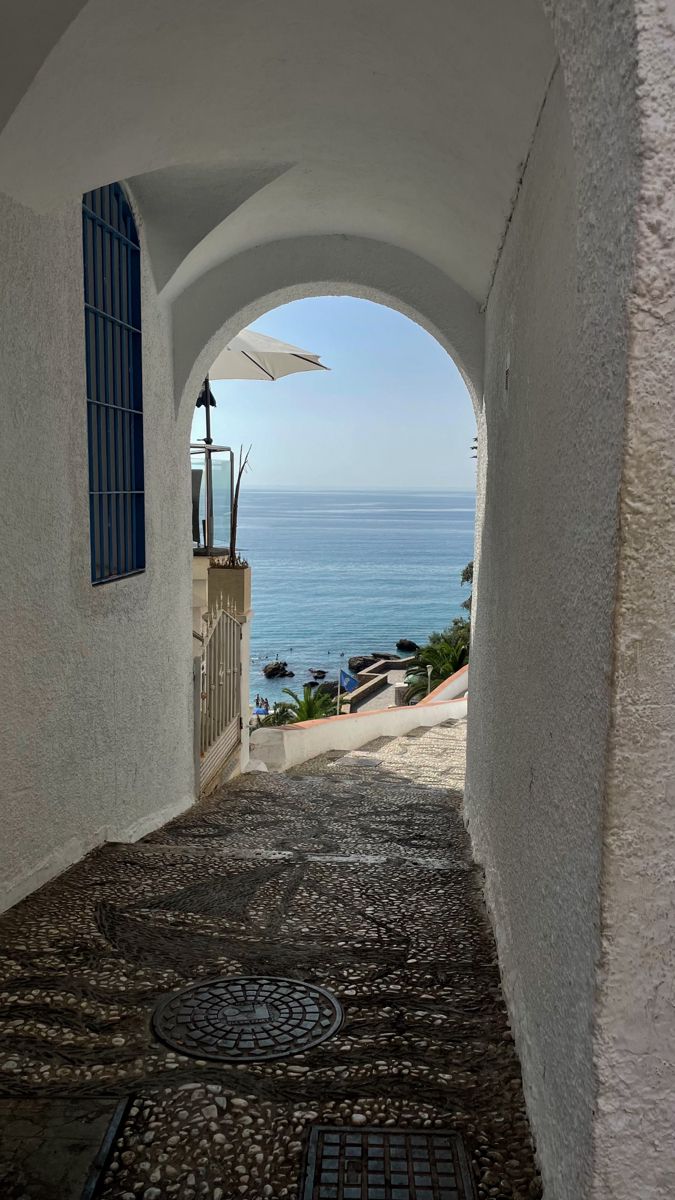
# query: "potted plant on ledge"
230,574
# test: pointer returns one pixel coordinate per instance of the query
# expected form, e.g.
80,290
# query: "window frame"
114,385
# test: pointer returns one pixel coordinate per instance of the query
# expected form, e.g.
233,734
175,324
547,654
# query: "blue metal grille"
112,313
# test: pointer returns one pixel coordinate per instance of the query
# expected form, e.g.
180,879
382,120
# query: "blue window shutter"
112,314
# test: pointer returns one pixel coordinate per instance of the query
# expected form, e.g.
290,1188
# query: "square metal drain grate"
386,1164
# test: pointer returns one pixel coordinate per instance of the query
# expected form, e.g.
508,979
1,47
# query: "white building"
502,173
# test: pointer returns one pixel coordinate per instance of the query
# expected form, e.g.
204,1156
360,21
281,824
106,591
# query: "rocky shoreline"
279,668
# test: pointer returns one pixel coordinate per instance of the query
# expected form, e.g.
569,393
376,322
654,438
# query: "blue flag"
347,682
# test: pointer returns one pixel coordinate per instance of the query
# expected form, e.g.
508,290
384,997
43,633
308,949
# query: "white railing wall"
220,717
284,746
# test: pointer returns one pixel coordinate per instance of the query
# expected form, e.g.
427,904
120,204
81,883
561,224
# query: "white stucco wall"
635,1021
543,636
289,745
401,194
86,752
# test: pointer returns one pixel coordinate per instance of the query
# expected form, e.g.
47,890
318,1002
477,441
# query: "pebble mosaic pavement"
353,873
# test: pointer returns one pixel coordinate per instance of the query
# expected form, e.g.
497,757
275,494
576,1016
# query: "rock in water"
359,662
407,645
275,670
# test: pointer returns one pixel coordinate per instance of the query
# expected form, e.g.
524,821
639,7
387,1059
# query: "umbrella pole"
208,441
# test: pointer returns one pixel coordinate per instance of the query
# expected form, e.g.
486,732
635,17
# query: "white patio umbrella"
250,355
253,355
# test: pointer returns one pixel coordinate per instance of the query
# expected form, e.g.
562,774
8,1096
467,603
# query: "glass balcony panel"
211,468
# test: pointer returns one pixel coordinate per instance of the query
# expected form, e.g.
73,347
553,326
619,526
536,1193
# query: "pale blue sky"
392,412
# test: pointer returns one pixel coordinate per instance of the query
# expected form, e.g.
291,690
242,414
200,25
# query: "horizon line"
290,487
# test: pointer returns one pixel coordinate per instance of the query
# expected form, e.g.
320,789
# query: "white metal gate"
220,697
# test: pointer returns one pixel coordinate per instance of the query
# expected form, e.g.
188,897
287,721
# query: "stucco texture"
542,648
635,1034
96,695
405,193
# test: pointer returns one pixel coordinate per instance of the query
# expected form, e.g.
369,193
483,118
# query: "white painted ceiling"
245,121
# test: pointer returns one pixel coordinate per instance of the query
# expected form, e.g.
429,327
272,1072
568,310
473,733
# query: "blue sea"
337,573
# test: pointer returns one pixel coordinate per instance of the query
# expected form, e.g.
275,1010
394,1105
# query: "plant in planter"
233,558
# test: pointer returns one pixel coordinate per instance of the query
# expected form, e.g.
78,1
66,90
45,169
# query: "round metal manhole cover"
247,1019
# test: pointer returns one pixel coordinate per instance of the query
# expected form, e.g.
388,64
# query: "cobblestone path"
352,873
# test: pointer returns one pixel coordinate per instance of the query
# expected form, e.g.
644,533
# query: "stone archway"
238,291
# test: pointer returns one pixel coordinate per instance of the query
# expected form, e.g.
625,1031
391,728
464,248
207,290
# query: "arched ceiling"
253,120
236,292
